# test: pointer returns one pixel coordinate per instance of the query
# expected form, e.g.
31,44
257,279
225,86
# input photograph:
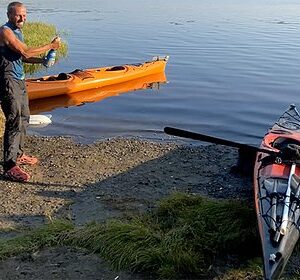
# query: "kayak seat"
282,142
82,74
62,76
289,149
116,68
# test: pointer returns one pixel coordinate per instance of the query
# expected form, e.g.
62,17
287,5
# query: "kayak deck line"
86,79
276,192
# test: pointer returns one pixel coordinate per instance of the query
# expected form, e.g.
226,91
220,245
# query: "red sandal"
17,174
24,159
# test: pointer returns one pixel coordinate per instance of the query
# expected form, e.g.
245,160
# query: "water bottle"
49,60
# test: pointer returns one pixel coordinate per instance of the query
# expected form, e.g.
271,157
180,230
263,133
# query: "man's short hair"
12,5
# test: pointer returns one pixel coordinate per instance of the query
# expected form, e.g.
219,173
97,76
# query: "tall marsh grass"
46,236
185,237
182,238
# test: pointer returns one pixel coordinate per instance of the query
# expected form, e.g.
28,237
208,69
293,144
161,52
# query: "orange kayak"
48,104
81,80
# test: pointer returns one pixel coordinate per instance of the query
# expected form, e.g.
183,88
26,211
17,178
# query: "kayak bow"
277,193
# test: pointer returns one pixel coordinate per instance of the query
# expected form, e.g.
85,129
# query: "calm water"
234,67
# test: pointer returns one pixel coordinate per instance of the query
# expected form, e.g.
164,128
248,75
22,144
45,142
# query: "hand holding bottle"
49,59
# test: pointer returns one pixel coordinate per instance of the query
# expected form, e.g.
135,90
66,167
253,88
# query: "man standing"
13,95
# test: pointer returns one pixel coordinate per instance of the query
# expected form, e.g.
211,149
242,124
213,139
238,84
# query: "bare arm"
33,60
9,39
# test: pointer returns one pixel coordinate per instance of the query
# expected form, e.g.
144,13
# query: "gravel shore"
103,180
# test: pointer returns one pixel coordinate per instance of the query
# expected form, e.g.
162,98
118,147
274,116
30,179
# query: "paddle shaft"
215,140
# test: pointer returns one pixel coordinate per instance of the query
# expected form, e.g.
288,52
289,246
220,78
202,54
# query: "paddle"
215,140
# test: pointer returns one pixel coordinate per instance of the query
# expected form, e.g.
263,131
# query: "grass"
184,237
46,236
37,34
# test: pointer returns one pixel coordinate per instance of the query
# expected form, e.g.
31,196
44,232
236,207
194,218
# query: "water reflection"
95,95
